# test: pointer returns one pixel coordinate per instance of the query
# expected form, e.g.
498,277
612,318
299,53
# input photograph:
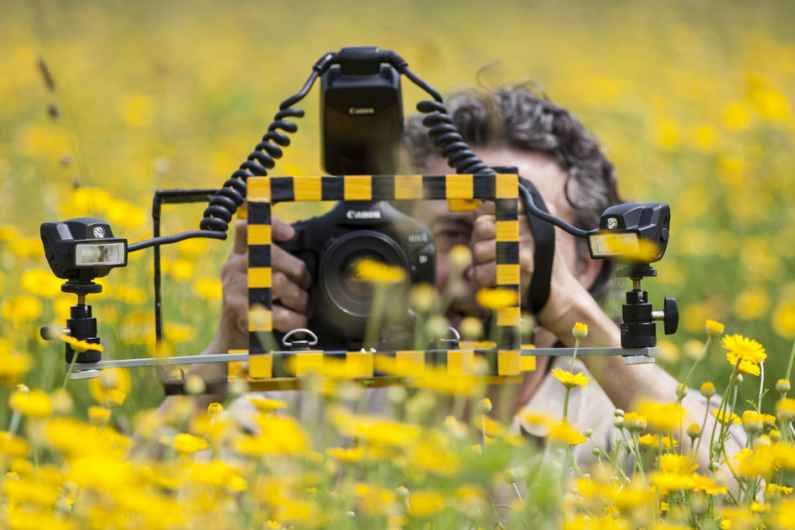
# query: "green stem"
374,323
789,364
696,363
566,404
69,370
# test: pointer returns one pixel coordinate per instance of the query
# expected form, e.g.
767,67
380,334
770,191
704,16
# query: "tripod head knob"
670,315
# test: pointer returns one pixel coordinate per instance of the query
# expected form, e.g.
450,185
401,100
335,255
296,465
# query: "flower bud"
98,415
707,389
484,405
471,328
783,386
195,385
215,408
752,421
694,350
714,328
460,257
739,379
694,430
775,435
580,330
422,297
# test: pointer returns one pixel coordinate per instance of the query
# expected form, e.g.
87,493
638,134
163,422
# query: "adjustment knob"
671,315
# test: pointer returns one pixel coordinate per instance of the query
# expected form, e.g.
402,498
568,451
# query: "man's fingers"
484,251
294,268
285,320
484,228
485,275
288,293
241,243
281,230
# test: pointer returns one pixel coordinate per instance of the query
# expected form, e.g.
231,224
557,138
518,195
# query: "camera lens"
348,296
354,285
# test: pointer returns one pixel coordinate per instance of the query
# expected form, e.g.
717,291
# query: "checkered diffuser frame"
263,192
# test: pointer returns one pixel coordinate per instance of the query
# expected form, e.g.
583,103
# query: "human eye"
447,236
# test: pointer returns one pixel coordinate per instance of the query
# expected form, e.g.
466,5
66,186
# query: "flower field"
694,103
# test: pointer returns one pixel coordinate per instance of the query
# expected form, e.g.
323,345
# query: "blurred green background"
693,102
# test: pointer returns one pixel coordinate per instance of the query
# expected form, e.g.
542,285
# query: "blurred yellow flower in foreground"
186,444
13,366
497,298
714,328
569,379
21,309
784,320
661,417
744,353
111,387
33,403
370,270
566,433
423,503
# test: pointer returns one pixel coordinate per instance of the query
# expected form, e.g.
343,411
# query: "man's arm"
625,384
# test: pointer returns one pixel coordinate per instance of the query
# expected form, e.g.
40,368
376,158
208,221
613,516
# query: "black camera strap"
544,252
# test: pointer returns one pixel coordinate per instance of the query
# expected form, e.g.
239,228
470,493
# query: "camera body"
330,245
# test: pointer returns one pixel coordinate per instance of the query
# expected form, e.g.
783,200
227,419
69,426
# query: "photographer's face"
450,229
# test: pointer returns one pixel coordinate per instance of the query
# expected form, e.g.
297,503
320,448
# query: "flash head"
361,110
82,249
634,232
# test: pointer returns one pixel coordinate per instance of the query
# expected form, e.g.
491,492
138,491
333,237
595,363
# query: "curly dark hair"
518,118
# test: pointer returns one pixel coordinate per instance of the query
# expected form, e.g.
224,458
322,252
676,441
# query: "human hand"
565,289
290,283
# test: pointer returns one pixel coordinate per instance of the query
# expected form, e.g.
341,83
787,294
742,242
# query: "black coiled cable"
448,140
223,204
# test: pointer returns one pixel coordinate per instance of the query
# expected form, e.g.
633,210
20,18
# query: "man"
510,127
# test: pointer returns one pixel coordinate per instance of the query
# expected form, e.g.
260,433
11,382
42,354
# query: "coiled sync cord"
222,205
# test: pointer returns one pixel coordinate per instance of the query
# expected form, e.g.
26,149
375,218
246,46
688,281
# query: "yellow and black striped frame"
263,192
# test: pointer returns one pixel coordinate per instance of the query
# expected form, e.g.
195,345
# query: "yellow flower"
374,429
98,415
661,417
370,270
671,463
186,444
111,387
41,282
744,353
208,288
654,441
634,421
33,403
12,446
784,320
726,416
714,328
81,345
374,501
773,489
21,309
753,421
267,404
422,297
423,503
580,330
564,432
751,303
497,298
707,389
569,379
708,485
785,408
13,366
